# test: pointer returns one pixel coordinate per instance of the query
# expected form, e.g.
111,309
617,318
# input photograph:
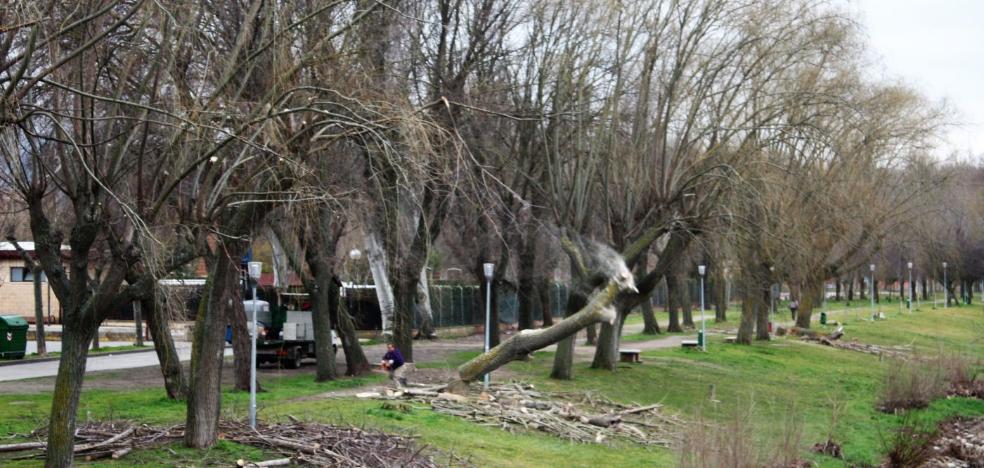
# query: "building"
17,286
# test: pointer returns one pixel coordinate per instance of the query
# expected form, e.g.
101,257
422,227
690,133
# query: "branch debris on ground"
298,442
578,417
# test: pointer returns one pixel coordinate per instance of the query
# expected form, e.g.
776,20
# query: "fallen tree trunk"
598,309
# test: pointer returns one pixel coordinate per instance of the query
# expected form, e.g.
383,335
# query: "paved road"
95,363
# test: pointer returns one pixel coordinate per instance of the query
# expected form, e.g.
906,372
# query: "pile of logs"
578,417
98,440
297,442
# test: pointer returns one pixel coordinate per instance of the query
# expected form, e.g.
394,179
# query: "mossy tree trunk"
68,388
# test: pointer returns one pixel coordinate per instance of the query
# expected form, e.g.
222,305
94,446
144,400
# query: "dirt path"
433,353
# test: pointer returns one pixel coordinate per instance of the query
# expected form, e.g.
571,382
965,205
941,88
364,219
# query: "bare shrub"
911,384
963,373
909,443
739,442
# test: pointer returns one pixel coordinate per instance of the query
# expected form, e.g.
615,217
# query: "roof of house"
9,252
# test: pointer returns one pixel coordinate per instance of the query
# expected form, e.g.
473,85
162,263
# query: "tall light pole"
946,289
488,269
254,269
910,287
871,288
701,270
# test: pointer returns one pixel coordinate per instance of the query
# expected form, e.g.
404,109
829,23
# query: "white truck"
287,338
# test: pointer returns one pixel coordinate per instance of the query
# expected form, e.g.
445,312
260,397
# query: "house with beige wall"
17,286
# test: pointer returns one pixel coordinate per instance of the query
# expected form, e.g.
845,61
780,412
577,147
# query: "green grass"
768,381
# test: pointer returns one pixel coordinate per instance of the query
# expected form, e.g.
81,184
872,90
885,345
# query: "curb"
18,362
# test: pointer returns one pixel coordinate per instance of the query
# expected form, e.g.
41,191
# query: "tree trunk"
650,325
925,288
355,358
525,290
426,329
241,346
68,389
138,323
208,346
563,365
762,315
749,313
719,289
39,313
837,289
592,335
874,290
673,301
812,294
405,292
323,294
159,325
596,309
686,302
850,290
606,352
546,304
384,291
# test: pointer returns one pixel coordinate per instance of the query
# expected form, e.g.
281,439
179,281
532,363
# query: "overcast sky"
936,46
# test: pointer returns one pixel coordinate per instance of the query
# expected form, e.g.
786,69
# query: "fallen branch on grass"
578,417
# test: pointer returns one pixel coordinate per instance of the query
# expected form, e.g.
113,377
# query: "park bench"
629,355
688,343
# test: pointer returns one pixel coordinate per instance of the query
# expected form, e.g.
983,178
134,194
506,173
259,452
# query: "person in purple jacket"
393,362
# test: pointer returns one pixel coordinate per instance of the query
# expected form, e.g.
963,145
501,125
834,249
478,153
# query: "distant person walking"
794,305
393,362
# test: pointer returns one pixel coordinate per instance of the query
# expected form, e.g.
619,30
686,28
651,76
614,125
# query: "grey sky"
937,47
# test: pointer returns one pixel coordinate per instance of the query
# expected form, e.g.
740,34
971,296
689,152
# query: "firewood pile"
298,443
578,417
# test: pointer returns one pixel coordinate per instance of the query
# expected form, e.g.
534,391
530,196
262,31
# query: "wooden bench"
629,355
688,343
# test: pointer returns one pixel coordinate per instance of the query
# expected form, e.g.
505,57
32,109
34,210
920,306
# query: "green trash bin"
823,318
13,337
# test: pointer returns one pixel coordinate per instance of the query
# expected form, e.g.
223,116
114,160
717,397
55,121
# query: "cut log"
21,446
274,462
598,309
607,420
640,409
121,453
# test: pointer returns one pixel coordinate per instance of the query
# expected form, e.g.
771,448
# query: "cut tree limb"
598,309
21,446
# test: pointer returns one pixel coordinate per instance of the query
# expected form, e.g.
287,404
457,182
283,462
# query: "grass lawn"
766,383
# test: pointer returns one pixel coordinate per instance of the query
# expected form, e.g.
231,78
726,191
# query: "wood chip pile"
298,442
578,417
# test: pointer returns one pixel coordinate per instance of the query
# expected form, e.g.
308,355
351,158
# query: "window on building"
22,275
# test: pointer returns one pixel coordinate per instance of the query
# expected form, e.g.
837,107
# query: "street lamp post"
910,287
871,289
254,269
946,289
488,269
701,270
